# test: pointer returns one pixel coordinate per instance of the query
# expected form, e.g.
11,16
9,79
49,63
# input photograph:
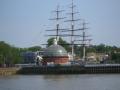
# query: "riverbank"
87,69
8,71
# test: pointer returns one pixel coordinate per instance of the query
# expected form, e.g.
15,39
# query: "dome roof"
55,50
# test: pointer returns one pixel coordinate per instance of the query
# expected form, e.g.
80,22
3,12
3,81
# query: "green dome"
55,50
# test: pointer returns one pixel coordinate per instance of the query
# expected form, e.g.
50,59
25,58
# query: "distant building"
96,57
31,57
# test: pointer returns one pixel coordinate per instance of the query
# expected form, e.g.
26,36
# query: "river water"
61,82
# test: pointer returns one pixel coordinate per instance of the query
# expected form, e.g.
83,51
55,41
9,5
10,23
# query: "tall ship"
56,54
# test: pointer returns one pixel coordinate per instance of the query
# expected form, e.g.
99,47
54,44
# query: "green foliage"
50,41
35,48
9,54
12,55
115,57
100,48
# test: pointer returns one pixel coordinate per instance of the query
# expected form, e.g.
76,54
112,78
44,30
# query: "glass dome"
55,50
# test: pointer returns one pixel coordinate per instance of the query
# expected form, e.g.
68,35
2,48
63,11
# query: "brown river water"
61,82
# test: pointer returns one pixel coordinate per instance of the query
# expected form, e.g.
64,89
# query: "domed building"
55,54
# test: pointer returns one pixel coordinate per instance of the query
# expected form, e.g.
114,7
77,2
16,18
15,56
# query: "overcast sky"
23,22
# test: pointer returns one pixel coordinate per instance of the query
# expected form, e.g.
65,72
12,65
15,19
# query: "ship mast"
84,39
72,28
57,19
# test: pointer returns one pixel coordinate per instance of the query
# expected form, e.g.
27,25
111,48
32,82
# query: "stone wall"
8,71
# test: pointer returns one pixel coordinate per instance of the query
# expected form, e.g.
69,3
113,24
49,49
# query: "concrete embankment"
70,70
87,69
8,71
51,70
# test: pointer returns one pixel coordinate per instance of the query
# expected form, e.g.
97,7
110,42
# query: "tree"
100,48
34,48
115,57
9,54
4,52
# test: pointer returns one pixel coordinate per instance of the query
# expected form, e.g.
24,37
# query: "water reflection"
56,77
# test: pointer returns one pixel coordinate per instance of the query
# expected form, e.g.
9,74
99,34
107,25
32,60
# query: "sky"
23,22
